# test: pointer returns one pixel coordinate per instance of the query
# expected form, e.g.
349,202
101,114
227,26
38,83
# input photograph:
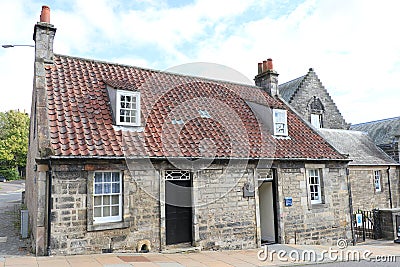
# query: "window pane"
115,200
97,212
106,211
122,98
106,200
107,188
97,201
98,188
115,187
107,177
128,98
115,211
97,177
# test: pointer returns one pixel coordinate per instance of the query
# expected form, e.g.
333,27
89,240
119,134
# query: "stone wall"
364,195
388,223
72,229
226,219
310,87
223,218
306,223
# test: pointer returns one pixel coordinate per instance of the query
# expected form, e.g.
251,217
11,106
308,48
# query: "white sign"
359,219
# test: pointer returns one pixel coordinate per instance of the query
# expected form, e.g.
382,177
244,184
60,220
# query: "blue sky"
351,44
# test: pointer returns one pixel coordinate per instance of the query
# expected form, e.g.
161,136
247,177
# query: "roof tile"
80,116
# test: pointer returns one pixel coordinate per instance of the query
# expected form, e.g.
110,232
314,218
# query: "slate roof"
381,131
81,122
287,90
358,145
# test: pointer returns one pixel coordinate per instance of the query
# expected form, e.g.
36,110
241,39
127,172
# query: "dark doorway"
178,208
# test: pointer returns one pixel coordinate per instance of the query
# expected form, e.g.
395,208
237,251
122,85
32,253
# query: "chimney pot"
270,66
45,14
264,66
260,70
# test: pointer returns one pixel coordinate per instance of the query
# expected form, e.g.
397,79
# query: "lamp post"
10,45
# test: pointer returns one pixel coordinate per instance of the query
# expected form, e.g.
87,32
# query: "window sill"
319,206
107,226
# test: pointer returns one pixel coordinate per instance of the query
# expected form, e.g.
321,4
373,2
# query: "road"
10,193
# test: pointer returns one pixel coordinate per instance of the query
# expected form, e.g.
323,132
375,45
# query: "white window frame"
377,181
314,187
136,95
280,122
102,195
316,120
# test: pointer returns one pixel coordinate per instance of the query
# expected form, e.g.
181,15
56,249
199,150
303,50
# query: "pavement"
376,252
14,251
10,202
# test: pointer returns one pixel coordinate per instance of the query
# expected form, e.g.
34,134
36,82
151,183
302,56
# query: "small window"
314,183
128,108
316,120
107,197
377,181
280,122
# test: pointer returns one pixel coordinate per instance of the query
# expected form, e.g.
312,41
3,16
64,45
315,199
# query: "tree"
14,131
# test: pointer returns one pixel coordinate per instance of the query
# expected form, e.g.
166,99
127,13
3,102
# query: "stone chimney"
43,36
267,77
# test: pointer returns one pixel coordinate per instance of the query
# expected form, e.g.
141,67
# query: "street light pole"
10,45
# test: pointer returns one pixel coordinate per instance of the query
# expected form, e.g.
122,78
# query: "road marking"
3,239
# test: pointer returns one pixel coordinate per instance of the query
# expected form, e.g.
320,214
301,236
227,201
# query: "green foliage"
14,131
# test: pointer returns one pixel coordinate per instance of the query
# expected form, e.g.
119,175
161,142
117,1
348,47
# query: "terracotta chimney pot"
264,66
260,68
45,15
269,64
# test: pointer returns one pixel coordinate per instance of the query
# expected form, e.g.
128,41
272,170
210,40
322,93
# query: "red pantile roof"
81,122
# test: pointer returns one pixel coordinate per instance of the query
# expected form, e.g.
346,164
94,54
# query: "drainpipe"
390,191
49,204
350,206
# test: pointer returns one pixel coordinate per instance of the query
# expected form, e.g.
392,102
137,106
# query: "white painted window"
314,185
316,120
107,197
377,181
128,108
280,122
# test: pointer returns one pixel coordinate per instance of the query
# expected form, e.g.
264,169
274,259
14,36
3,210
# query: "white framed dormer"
127,108
280,122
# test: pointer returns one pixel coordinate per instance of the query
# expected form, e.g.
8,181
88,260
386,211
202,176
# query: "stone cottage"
372,174
123,158
385,133
311,100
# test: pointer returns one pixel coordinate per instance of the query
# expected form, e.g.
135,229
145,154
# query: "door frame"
163,225
274,205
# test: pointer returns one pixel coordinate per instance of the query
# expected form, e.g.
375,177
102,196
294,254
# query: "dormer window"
128,108
317,110
280,122
316,120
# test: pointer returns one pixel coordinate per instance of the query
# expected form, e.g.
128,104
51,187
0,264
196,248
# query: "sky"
353,45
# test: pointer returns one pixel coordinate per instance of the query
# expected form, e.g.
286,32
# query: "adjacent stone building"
372,174
385,133
311,100
128,159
